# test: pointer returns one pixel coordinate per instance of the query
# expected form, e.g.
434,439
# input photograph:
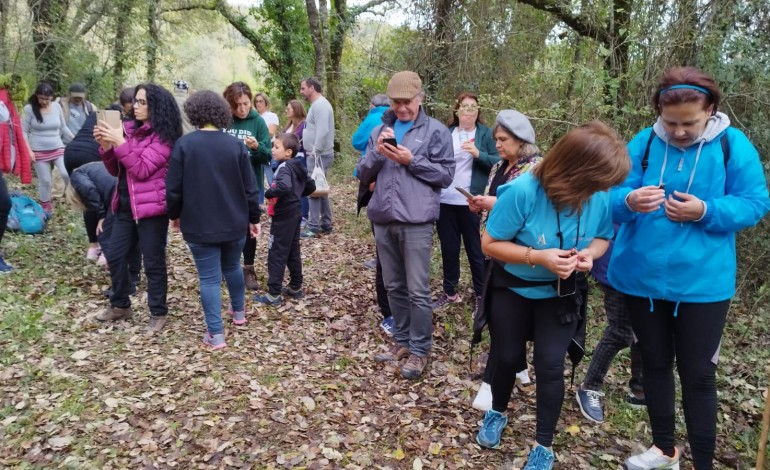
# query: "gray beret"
517,124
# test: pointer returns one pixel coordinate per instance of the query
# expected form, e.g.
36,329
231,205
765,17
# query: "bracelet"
526,257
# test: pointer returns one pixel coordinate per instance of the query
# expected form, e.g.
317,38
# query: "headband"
686,87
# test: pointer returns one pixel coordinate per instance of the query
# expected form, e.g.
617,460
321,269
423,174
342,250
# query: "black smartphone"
565,287
390,141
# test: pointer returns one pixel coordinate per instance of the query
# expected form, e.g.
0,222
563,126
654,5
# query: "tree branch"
580,25
353,12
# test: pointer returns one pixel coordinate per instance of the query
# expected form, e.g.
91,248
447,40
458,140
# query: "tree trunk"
47,16
315,18
684,33
119,51
442,39
154,42
5,11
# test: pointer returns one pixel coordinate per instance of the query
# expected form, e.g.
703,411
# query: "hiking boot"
414,366
156,323
636,401
539,458
446,299
653,458
294,293
387,326
491,429
216,341
5,268
114,313
268,299
483,400
250,278
395,352
590,404
239,318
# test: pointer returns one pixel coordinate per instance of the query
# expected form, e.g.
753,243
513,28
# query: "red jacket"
23,166
144,158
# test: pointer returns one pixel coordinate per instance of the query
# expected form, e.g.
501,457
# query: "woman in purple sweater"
140,159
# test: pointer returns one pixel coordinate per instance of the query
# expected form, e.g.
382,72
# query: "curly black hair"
206,107
164,114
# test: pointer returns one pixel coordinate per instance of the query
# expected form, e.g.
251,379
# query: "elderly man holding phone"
403,209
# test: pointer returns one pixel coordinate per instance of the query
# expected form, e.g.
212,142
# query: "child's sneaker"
483,400
295,293
216,341
93,253
539,458
446,299
268,299
387,326
491,429
239,318
653,458
5,268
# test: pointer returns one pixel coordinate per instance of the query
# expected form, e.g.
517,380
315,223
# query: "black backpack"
646,158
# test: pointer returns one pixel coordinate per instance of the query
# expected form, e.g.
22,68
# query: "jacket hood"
252,114
715,125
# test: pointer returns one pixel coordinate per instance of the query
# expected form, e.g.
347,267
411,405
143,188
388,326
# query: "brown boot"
114,313
156,323
250,277
395,352
414,366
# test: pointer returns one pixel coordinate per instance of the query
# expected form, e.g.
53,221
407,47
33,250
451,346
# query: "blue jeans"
404,251
213,260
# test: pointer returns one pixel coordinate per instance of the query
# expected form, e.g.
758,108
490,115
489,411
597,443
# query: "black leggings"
692,333
249,250
513,320
5,206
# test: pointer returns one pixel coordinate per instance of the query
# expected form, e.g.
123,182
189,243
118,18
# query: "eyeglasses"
140,102
259,101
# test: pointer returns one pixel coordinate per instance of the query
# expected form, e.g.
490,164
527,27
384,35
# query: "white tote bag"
321,183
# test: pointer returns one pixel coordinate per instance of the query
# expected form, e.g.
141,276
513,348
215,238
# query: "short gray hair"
380,99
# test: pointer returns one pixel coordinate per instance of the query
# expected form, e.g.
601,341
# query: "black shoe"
325,230
296,293
635,402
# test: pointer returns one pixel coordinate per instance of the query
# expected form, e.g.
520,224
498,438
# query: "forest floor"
297,386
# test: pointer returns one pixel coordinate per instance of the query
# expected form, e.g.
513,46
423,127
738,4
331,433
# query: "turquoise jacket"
488,156
657,258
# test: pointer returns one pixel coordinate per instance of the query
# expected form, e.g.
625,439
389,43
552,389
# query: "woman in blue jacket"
695,181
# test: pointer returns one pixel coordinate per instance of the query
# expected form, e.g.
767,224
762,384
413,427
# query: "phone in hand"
464,192
110,116
566,287
390,141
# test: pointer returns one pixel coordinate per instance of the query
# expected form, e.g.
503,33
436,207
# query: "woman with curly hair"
138,155
213,222
251,129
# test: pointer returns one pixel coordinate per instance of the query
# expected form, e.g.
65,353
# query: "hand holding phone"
390,141
110,116
464,192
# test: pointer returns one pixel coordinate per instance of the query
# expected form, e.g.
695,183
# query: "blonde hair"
73,198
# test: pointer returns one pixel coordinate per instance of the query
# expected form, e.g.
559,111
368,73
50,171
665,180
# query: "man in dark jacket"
409,177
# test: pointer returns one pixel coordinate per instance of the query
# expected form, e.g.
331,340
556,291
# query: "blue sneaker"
268,299
5,268
387,325
590,404
539,458
491,429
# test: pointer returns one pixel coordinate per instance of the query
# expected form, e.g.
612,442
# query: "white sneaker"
483,400
653,458
523,377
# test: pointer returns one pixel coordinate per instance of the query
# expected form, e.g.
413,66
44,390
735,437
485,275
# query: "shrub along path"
295,388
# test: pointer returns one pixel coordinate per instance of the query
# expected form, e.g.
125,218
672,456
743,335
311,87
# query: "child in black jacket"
290,183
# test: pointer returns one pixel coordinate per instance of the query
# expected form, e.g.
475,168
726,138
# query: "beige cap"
404,85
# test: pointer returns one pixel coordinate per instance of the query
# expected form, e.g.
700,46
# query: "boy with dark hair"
290,183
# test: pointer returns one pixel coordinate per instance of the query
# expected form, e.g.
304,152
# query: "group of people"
534,226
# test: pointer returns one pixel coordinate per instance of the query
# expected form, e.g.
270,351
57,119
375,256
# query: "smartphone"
390,141
565,287
464,192
110,116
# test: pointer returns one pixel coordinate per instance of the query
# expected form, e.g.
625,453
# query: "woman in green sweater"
250,128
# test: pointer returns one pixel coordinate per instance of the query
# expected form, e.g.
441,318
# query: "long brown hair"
299,115
454,121
588,159
665,95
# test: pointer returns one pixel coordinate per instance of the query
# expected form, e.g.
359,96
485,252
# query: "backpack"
26,216
722,140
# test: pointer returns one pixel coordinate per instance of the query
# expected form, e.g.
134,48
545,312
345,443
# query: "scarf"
23,167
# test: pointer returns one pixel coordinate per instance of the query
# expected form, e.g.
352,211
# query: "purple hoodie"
144,158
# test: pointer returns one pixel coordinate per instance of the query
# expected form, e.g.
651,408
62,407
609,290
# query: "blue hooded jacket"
361,136
657,258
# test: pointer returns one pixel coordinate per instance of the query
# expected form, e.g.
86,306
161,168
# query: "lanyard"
561,235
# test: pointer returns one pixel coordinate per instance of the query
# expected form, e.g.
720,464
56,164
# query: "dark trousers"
513,320
72,161
379,283
617,336
150,236
249,250
690,333
5,206
283,251
134,258
454,223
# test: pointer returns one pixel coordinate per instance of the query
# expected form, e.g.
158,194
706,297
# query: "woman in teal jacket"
695,181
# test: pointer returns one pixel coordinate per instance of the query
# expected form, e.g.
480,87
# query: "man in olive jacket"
409,177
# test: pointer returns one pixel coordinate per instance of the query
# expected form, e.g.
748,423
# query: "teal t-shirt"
525,215
400,128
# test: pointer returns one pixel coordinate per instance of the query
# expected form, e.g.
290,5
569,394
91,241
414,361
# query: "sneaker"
371,263
523,377
214,341
491,429
114,313
47,208
239,318
93,253
156,323
387,326
395,352
268,299
539,458
294,293
250,278
483,400
326,230
445,300
308,233
303,224
5,268
590,404
635,401
653,458
414,366
102,261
